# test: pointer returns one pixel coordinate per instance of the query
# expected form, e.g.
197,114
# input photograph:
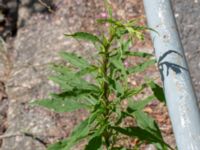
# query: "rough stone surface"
8,18
39,38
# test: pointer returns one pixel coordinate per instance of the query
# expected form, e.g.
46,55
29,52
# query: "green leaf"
69,80
74,59
116,86
60,105
136,132
140,133
94,144
87,70
138,54
125,45
80,132
120,31
131,92
58,146
118,63
141,67
160,146
140,104
73,82
120,148
109,20
68,101
64,86
157,91
61,69
147,123
108,7
85,36
135,32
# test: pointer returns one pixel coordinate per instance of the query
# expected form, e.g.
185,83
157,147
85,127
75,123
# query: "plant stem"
104,69
105,87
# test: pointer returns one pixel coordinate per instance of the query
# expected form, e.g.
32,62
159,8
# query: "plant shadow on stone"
104,96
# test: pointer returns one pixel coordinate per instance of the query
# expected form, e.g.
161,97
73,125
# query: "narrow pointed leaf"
85,71
140,133
73,81
79,133
146,122
138,54
74,59
118,63
94,144
60,105
157,91
141,67
125,45
131,92
139,105
85,36
63,86
116,86
109,20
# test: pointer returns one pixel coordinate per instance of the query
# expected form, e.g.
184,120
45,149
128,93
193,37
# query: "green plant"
109,88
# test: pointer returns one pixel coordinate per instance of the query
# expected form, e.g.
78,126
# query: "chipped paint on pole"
179,93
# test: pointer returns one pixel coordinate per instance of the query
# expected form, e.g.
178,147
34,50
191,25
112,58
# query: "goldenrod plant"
104,95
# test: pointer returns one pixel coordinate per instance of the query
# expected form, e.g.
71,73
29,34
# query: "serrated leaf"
82,96
140,104
141,67
146,122
157,91
75,60
74,82
85,36
63,70
60,105
140,133
63,85
94,144
60,69
85,71
68,101
68,80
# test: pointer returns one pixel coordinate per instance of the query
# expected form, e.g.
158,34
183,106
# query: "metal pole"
179,93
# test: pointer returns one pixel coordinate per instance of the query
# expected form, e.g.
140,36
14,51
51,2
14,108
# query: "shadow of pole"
174,67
